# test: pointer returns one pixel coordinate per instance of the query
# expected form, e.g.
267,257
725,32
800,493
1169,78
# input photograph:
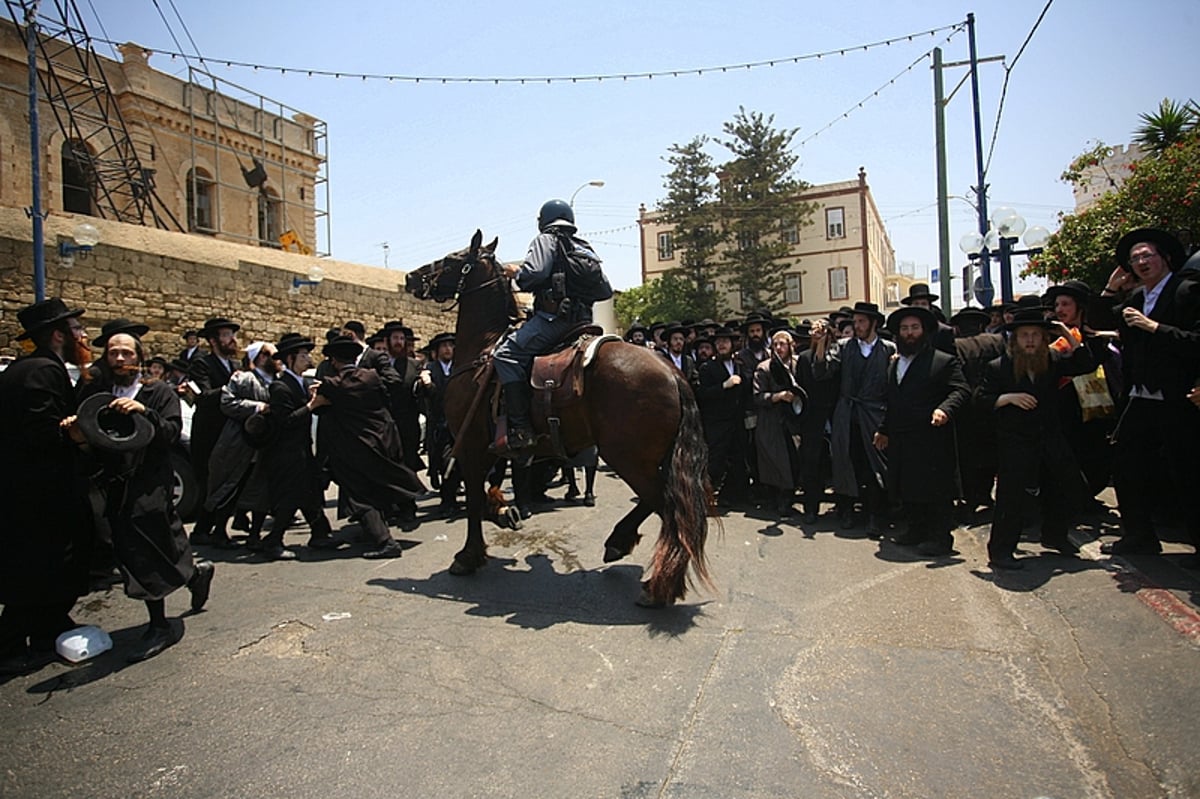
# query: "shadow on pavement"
540,597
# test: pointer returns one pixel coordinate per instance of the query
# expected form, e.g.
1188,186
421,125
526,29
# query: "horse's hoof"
644,600
612,554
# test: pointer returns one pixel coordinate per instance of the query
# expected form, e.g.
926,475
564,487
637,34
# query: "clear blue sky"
421,166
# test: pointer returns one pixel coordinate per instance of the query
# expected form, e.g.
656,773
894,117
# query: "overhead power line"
622,76
1008,68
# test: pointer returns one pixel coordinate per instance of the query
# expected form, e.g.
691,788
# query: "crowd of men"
906,423
889,420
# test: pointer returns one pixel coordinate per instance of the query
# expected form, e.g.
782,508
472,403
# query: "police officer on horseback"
560,304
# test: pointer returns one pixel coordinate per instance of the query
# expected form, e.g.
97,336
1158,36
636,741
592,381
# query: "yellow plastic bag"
1095,402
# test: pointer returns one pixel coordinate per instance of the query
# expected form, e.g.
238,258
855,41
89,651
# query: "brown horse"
636,409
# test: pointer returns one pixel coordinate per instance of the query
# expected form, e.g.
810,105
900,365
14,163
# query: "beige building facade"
224,162
842,256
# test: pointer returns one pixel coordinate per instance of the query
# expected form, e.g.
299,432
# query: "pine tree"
759,205
690,205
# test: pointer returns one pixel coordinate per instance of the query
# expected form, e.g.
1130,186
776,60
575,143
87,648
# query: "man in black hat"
137,482
405,404
919,296
754,351
1034,461
46,537
439,439
1159,327
191,345
357,436
207,375
822,398
676,354
860,363
293,476
926,390
722,412
636,334
976,433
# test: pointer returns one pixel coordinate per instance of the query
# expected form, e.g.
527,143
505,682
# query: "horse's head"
445,278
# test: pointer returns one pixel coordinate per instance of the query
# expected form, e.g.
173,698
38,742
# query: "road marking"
1181,616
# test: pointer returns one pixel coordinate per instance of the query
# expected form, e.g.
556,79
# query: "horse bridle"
461,290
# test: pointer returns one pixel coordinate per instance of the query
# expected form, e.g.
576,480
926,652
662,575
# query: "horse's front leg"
473,555
625,533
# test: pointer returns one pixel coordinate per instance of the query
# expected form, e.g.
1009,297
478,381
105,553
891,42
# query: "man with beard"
46,538
405,406
235,477
676,338
1034,461
148,540
722,401
822,398
926,389
754,352
207,375
775,403
439,439
362,445
1160,338
636,335
293,476
860,363
920,297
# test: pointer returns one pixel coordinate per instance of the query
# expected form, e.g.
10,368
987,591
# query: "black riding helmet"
555,211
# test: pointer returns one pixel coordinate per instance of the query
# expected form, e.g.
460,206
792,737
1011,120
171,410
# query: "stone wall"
173,281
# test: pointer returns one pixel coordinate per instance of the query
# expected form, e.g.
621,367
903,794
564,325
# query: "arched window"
200,206
270,218
78,178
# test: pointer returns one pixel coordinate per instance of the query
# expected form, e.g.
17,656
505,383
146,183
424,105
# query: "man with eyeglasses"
46,538
1159,325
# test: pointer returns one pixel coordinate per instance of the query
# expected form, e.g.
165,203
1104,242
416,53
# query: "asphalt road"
825,665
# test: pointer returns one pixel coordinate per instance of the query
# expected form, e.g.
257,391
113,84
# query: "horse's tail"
687,504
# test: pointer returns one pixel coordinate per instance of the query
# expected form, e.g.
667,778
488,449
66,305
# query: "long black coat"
922,463
1028,441
1167,360
360,442
722,410
46,535
288,461
405,408
209,374
151,547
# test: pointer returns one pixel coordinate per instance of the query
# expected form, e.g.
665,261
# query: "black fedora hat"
112,328
42,314
158,359
180,365
291,342
211,326
918,291
634,328
344,348
928,320
755,318
397,325
1076,289
976,314
868,309
1030,317
191,331
111,430
724,332
673,328
440,339
1167,245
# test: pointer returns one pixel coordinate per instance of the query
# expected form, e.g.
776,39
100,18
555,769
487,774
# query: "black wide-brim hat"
978,314
344,348
189,333
42,314
180,365
291,342
108,429
634,329
211,327
869,309
928,320
918,291
112,328
437,341
1076,289
1030,317
1167,245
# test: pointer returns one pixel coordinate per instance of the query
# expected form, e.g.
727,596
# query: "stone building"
843,255
1106,175
224,161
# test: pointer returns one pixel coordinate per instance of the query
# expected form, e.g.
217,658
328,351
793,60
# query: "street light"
597,183
315,275
1007,227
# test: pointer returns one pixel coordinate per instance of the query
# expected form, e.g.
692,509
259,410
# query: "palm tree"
1173,121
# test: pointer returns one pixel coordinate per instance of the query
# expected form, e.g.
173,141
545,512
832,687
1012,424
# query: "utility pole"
987,292
35,159
943,199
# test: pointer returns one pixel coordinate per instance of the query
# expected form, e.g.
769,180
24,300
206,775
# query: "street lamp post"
1006,230
597,183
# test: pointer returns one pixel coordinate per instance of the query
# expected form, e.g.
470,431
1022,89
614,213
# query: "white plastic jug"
83,643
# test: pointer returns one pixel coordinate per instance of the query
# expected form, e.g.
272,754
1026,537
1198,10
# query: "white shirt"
866,347
129,392
902,364
1149,301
